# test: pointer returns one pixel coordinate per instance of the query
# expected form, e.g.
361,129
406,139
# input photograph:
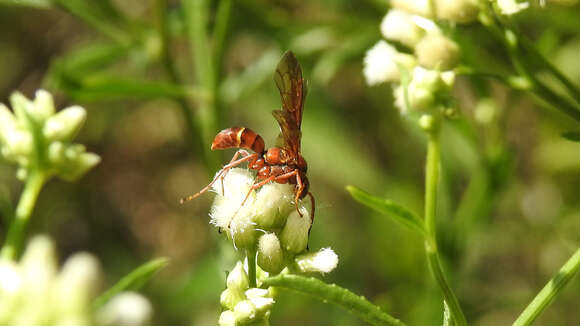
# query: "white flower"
65,124
33,290
265,209
126,309
399,26
424,90
381,63
436,51
458,11
510,7
270,256
418,7
323,261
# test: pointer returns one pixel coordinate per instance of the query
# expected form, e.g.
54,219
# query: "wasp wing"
288,78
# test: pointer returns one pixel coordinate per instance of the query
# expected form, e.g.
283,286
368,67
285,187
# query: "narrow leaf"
389,208
110,87
132,281
355,304
41,4
572,135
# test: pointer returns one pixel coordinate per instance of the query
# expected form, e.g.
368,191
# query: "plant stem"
192,125
431,182
550,291
356,304
17,229
537,88
251,254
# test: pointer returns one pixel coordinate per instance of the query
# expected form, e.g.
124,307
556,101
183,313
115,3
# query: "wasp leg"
238,153
223,170
252,188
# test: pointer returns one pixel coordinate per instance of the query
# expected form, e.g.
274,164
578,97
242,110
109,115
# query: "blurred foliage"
508,201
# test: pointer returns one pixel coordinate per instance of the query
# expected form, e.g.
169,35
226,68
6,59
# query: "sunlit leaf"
332,293
132,281
28,3
388,208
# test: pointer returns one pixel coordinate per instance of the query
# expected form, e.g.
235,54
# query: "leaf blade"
388,208
132,281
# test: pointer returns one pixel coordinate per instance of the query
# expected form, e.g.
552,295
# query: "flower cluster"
39,139
244,305
423,69
264,221
34,292
267,221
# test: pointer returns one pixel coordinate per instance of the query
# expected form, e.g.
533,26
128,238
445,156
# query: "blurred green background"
509,212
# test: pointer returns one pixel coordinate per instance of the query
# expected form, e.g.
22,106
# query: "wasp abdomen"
238,137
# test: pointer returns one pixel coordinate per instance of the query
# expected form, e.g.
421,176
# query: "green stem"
251,254
356,304
510,40
550,291
431,181
197,20
17,229
192,125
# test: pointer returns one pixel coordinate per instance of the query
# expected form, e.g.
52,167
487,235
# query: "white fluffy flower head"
381,63
265,209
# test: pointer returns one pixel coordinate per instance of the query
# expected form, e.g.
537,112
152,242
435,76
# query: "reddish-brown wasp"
283,164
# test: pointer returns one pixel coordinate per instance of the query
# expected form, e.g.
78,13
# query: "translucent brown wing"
288,78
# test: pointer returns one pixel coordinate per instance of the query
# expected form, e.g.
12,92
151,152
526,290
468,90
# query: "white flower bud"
238,278
10,279
230,196
427,122
64,125
43,104
273,203
261,304
323,261
398,25
78,162
18,144
381,63
126,309
227,318
294,235
418,7
425,88
230,297
78,282
511,7
270,255
7,122
245,311
458,11
39,264
435,51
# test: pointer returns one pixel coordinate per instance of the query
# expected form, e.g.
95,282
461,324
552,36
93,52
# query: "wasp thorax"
276,155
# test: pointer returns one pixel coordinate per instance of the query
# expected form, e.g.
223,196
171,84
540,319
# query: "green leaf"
132,281
355,304
572,135
389,208
42,4
111,87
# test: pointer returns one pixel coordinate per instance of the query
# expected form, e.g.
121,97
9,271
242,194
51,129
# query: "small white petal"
380,65
126,309
511,7
399,26
323,261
